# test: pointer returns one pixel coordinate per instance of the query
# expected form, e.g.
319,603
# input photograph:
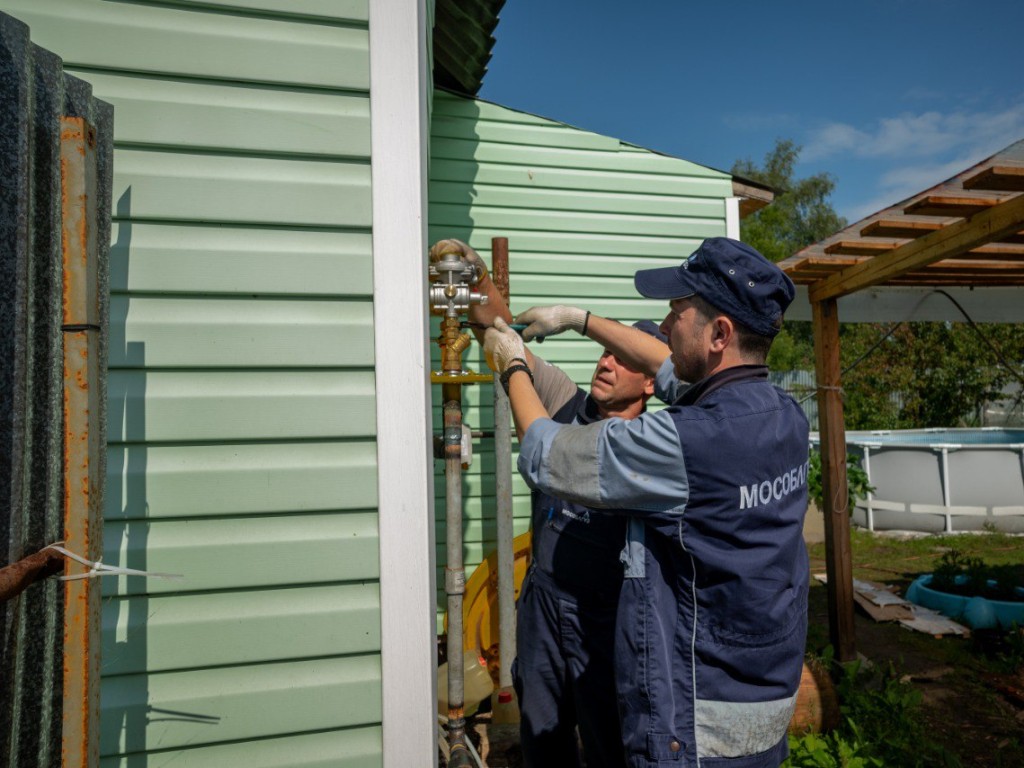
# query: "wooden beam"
752,198
838,556
909,229
959,206
1001,178
1004,249
988,226
900,227
862,247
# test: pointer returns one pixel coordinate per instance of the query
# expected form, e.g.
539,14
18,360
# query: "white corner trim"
732,217
399,83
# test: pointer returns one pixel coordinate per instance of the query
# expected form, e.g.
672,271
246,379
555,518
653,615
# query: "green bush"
881,727
857,485
958,574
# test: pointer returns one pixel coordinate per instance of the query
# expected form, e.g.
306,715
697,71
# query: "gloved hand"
547,321
444,247
502,345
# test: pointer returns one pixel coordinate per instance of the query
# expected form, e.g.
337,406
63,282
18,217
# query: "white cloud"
901,182
835,138
928,134
913,152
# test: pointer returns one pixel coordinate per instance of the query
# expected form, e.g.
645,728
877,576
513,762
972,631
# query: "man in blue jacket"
712,613
565,615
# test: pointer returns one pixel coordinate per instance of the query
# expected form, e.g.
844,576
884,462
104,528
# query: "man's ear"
648,388
722,333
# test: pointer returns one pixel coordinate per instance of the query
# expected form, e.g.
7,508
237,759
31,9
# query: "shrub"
957,574
881,726
857,485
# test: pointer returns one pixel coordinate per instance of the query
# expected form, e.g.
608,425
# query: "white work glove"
541,322
502,345
444,247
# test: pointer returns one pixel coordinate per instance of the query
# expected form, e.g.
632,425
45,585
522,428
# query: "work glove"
502,345
443,247
547,321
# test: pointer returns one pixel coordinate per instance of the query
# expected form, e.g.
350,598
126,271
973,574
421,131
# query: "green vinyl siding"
241,448
582,212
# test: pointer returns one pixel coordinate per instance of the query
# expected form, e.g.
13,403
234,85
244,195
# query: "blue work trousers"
564,676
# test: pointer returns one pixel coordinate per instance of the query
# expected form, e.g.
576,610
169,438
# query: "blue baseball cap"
731,276
651,329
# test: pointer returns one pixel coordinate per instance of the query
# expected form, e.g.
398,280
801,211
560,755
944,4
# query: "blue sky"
889,97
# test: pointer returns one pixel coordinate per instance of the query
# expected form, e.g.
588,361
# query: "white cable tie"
100,569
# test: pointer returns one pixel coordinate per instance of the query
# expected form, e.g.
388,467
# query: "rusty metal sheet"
82,451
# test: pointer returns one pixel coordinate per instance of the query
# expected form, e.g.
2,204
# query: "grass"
882,557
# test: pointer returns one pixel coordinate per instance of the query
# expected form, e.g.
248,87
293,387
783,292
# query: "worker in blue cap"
712,614
566,611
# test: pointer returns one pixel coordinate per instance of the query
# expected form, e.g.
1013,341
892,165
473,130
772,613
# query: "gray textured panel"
34,95
14,99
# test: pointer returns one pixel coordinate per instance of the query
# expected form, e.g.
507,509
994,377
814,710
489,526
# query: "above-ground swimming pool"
937,480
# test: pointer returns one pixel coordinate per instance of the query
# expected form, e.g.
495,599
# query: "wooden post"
82,452
838,560
499,266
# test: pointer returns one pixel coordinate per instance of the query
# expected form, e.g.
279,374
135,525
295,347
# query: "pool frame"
939,487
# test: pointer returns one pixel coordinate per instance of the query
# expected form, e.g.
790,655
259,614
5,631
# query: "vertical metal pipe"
455,573
946,500
82,529
503,493
870,495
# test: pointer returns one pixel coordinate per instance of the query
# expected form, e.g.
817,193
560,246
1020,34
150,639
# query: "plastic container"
504,706
976,612
477,682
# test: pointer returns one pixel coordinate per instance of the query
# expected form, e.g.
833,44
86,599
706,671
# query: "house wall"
242,450
582,213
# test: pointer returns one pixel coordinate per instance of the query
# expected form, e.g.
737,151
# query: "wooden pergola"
967,232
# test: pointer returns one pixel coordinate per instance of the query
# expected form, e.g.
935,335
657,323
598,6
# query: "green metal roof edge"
462,42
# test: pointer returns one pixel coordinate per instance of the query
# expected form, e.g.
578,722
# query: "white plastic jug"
477,681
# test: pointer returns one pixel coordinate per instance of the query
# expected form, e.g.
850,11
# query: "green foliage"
958,574
830,751
882,725
943,372
793,348
799,215
857,485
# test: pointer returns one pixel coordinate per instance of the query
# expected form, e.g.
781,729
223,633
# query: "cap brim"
663,283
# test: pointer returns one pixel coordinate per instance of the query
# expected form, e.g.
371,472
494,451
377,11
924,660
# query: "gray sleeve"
553,385
632,465
667,387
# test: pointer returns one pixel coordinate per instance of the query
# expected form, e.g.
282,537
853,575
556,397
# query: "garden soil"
973,713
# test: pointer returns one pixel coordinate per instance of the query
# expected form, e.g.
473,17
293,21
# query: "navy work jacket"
576,548
713,610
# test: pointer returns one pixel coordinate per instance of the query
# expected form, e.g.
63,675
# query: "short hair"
752,345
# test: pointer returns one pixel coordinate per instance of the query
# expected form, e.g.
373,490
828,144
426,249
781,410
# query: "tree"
923,374
926,374
799,216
